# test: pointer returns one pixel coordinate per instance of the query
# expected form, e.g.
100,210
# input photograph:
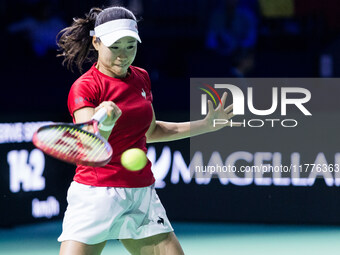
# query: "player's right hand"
113,112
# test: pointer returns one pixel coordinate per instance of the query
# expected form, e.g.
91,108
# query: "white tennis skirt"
97,214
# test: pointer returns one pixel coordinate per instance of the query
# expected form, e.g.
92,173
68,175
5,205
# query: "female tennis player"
111,202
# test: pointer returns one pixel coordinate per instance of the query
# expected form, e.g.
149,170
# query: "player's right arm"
113,113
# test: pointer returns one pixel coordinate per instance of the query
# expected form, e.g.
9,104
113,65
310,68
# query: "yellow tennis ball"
134,159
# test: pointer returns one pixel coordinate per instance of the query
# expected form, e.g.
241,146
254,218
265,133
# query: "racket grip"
100,115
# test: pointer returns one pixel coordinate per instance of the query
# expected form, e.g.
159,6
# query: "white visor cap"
111,31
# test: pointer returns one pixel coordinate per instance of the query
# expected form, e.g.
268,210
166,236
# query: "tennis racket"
70,143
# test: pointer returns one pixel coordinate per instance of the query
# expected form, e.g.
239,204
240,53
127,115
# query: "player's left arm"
161,131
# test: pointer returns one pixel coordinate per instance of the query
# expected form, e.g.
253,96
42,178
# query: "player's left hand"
222,114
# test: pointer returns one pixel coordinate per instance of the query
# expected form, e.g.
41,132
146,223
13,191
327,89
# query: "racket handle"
100,115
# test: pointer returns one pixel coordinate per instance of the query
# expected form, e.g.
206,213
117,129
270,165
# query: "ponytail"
75,41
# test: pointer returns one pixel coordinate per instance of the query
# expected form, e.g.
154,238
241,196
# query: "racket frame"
98,117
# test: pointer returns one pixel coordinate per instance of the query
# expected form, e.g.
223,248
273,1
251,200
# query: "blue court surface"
196,239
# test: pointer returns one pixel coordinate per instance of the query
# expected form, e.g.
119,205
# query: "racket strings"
69,142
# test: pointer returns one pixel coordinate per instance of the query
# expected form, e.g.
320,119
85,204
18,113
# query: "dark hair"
75,41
